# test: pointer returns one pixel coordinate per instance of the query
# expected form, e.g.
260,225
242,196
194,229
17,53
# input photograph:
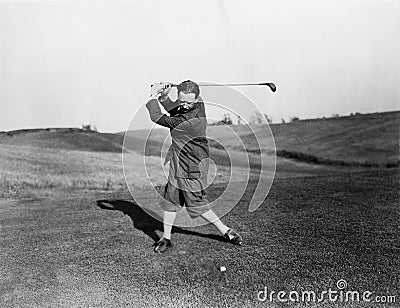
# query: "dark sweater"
189,143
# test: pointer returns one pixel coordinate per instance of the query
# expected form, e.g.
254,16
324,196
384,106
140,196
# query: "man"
187,177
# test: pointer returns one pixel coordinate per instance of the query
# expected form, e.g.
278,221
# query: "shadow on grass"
148,223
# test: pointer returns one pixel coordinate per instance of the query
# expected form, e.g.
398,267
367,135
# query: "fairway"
310,232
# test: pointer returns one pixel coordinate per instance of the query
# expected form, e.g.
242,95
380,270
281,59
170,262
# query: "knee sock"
169,218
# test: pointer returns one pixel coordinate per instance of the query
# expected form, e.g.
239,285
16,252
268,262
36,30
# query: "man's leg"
230,234
170,204
168,222
197,205
165,242
211,217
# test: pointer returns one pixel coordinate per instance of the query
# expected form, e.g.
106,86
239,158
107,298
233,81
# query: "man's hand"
155,89
166,88
158,88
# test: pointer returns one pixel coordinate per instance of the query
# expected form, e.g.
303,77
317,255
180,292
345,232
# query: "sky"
68,63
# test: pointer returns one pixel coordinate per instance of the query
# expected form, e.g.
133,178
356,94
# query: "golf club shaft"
235,84
271,85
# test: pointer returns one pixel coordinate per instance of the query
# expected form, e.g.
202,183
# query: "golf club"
268,84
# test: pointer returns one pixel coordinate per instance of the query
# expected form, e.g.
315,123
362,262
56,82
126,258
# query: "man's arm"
158,117
167,103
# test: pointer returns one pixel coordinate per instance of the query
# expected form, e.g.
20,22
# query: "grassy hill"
370,140
64,138
361,140
73,139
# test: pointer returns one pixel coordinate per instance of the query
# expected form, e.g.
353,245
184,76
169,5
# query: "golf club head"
270,85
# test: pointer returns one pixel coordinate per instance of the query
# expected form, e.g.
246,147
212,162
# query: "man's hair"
189,86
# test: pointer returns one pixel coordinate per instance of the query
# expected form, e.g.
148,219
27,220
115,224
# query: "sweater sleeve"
167,103
160,118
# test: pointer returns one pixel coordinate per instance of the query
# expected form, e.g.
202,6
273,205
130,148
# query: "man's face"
187,99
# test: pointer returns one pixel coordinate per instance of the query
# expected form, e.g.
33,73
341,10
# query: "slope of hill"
367,139
68,139
370,139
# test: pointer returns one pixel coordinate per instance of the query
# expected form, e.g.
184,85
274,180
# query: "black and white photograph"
199,153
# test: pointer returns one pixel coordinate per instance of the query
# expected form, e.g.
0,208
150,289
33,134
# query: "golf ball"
222,268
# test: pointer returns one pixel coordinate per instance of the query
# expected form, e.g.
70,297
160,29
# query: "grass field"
74,253
72,236
27,172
